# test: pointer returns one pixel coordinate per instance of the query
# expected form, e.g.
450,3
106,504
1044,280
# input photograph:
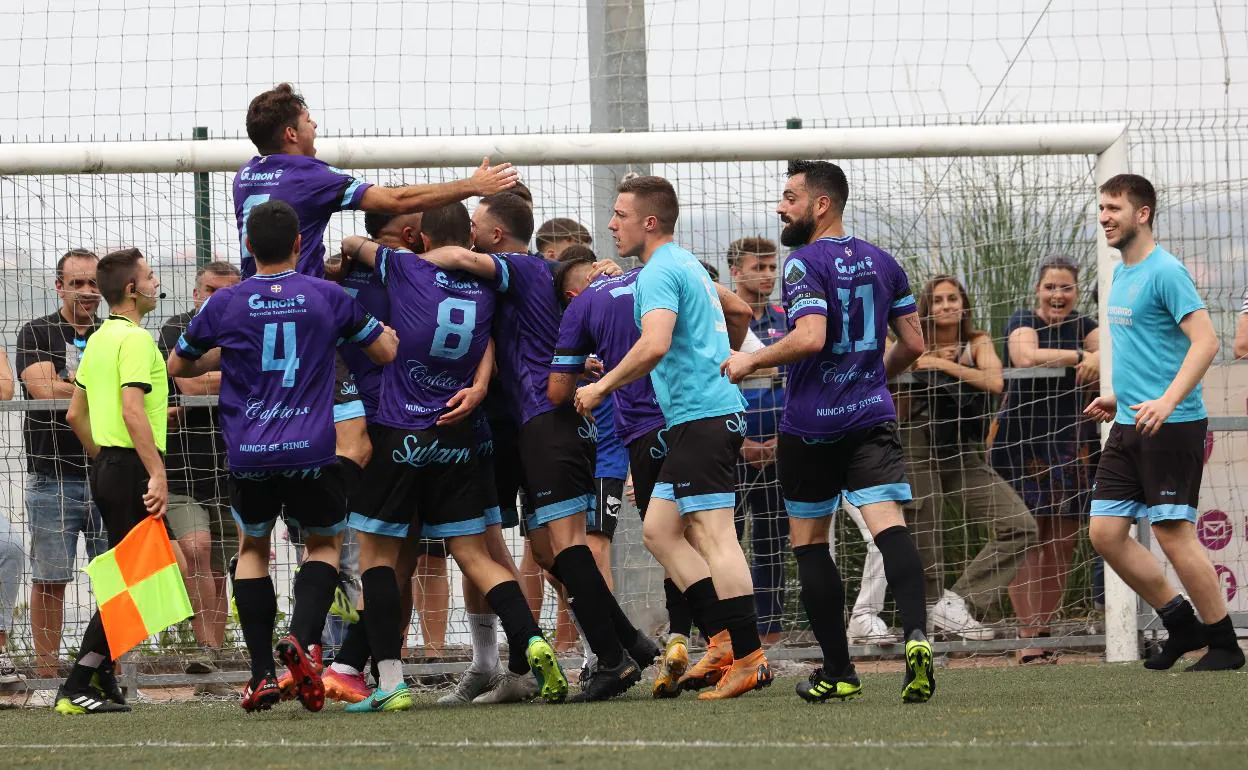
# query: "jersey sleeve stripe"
904,302
349,194
504,274
568,360
809,303
146,387
364,331
186,349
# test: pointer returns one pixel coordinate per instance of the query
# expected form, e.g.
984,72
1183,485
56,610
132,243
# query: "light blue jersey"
1146,303
687,381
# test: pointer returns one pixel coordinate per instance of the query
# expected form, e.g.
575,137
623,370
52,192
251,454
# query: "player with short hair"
558,234
684,336
276,332
557,443
1163,342
838,434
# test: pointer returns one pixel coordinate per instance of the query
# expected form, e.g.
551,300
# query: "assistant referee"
119,414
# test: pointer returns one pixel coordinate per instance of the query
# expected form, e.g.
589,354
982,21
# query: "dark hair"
578,251
756,245
72,254
823,178
270,114
512,213
657,198
272,229
375,222
563,270
710,269
966,329
1056,262
521,191
115,272
220,267
561,229
448,225
1138,190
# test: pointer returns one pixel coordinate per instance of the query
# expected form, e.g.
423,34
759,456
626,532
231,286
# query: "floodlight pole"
1122,641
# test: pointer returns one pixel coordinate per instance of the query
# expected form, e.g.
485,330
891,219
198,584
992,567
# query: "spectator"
58,500
557,234
946,420
199,514
752,262
1241,331
10,554
1044,446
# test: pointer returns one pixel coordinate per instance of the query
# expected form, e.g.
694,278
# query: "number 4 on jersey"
288,363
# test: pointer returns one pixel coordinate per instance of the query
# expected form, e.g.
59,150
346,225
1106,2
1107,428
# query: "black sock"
904,571
823,596
354,650
1184,633
740,617
381,600
351,473
94,640
509,604
625,631
591,601
679,613
1224,653
314,593
257,614
703,603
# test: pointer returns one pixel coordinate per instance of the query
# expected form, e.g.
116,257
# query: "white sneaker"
470,685
512,688
871,629
950,614
41,699
8,671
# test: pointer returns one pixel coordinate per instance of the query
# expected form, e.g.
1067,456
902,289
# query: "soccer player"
1163,342
286,168
276,332
428,461
838,434
684,337
557,444
118,412
556,235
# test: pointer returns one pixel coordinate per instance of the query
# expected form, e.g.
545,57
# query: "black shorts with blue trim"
865,465
503,465
700,470
347,402
605,516
427,477
646,454
314,500
561,448
1156,476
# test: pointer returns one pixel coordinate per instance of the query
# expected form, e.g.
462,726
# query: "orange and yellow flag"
138,587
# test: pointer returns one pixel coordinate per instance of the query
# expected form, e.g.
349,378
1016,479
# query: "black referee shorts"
118,482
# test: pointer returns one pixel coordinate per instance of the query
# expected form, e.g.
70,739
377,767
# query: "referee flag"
138,587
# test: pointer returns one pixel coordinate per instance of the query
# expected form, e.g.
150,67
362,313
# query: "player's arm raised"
410,199
655,341
807,338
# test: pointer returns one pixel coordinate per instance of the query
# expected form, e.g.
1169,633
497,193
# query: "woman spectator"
946,419
1044,447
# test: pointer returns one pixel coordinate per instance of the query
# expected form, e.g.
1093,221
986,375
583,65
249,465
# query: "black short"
559,475
867,465
506,469
434,547
604,516
645,458
313,499
1155,476
431,476
347,403
118,482
700,472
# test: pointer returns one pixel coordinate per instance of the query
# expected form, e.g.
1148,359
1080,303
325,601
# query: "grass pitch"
1067,716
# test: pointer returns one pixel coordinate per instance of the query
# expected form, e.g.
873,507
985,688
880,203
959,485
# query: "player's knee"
1107,535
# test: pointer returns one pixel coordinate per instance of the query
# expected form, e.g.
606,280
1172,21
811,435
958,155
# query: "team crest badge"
794,271
277,288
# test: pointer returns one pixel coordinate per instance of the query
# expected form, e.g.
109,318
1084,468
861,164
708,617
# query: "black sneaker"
821,687
644,651
1185,635
609,682
105,682
86,701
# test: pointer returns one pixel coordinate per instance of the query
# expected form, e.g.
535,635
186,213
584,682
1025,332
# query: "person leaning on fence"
1044,447
943,435
58,502
119,413
11,557
199,512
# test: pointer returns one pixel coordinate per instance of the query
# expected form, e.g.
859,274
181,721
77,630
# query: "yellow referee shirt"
122,354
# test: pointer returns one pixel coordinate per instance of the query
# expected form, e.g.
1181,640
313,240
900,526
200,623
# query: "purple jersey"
443,322
859,288
526,330
365,285
277,335
600,321
313,188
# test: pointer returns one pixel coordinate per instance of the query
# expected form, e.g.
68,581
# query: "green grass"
1069,716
